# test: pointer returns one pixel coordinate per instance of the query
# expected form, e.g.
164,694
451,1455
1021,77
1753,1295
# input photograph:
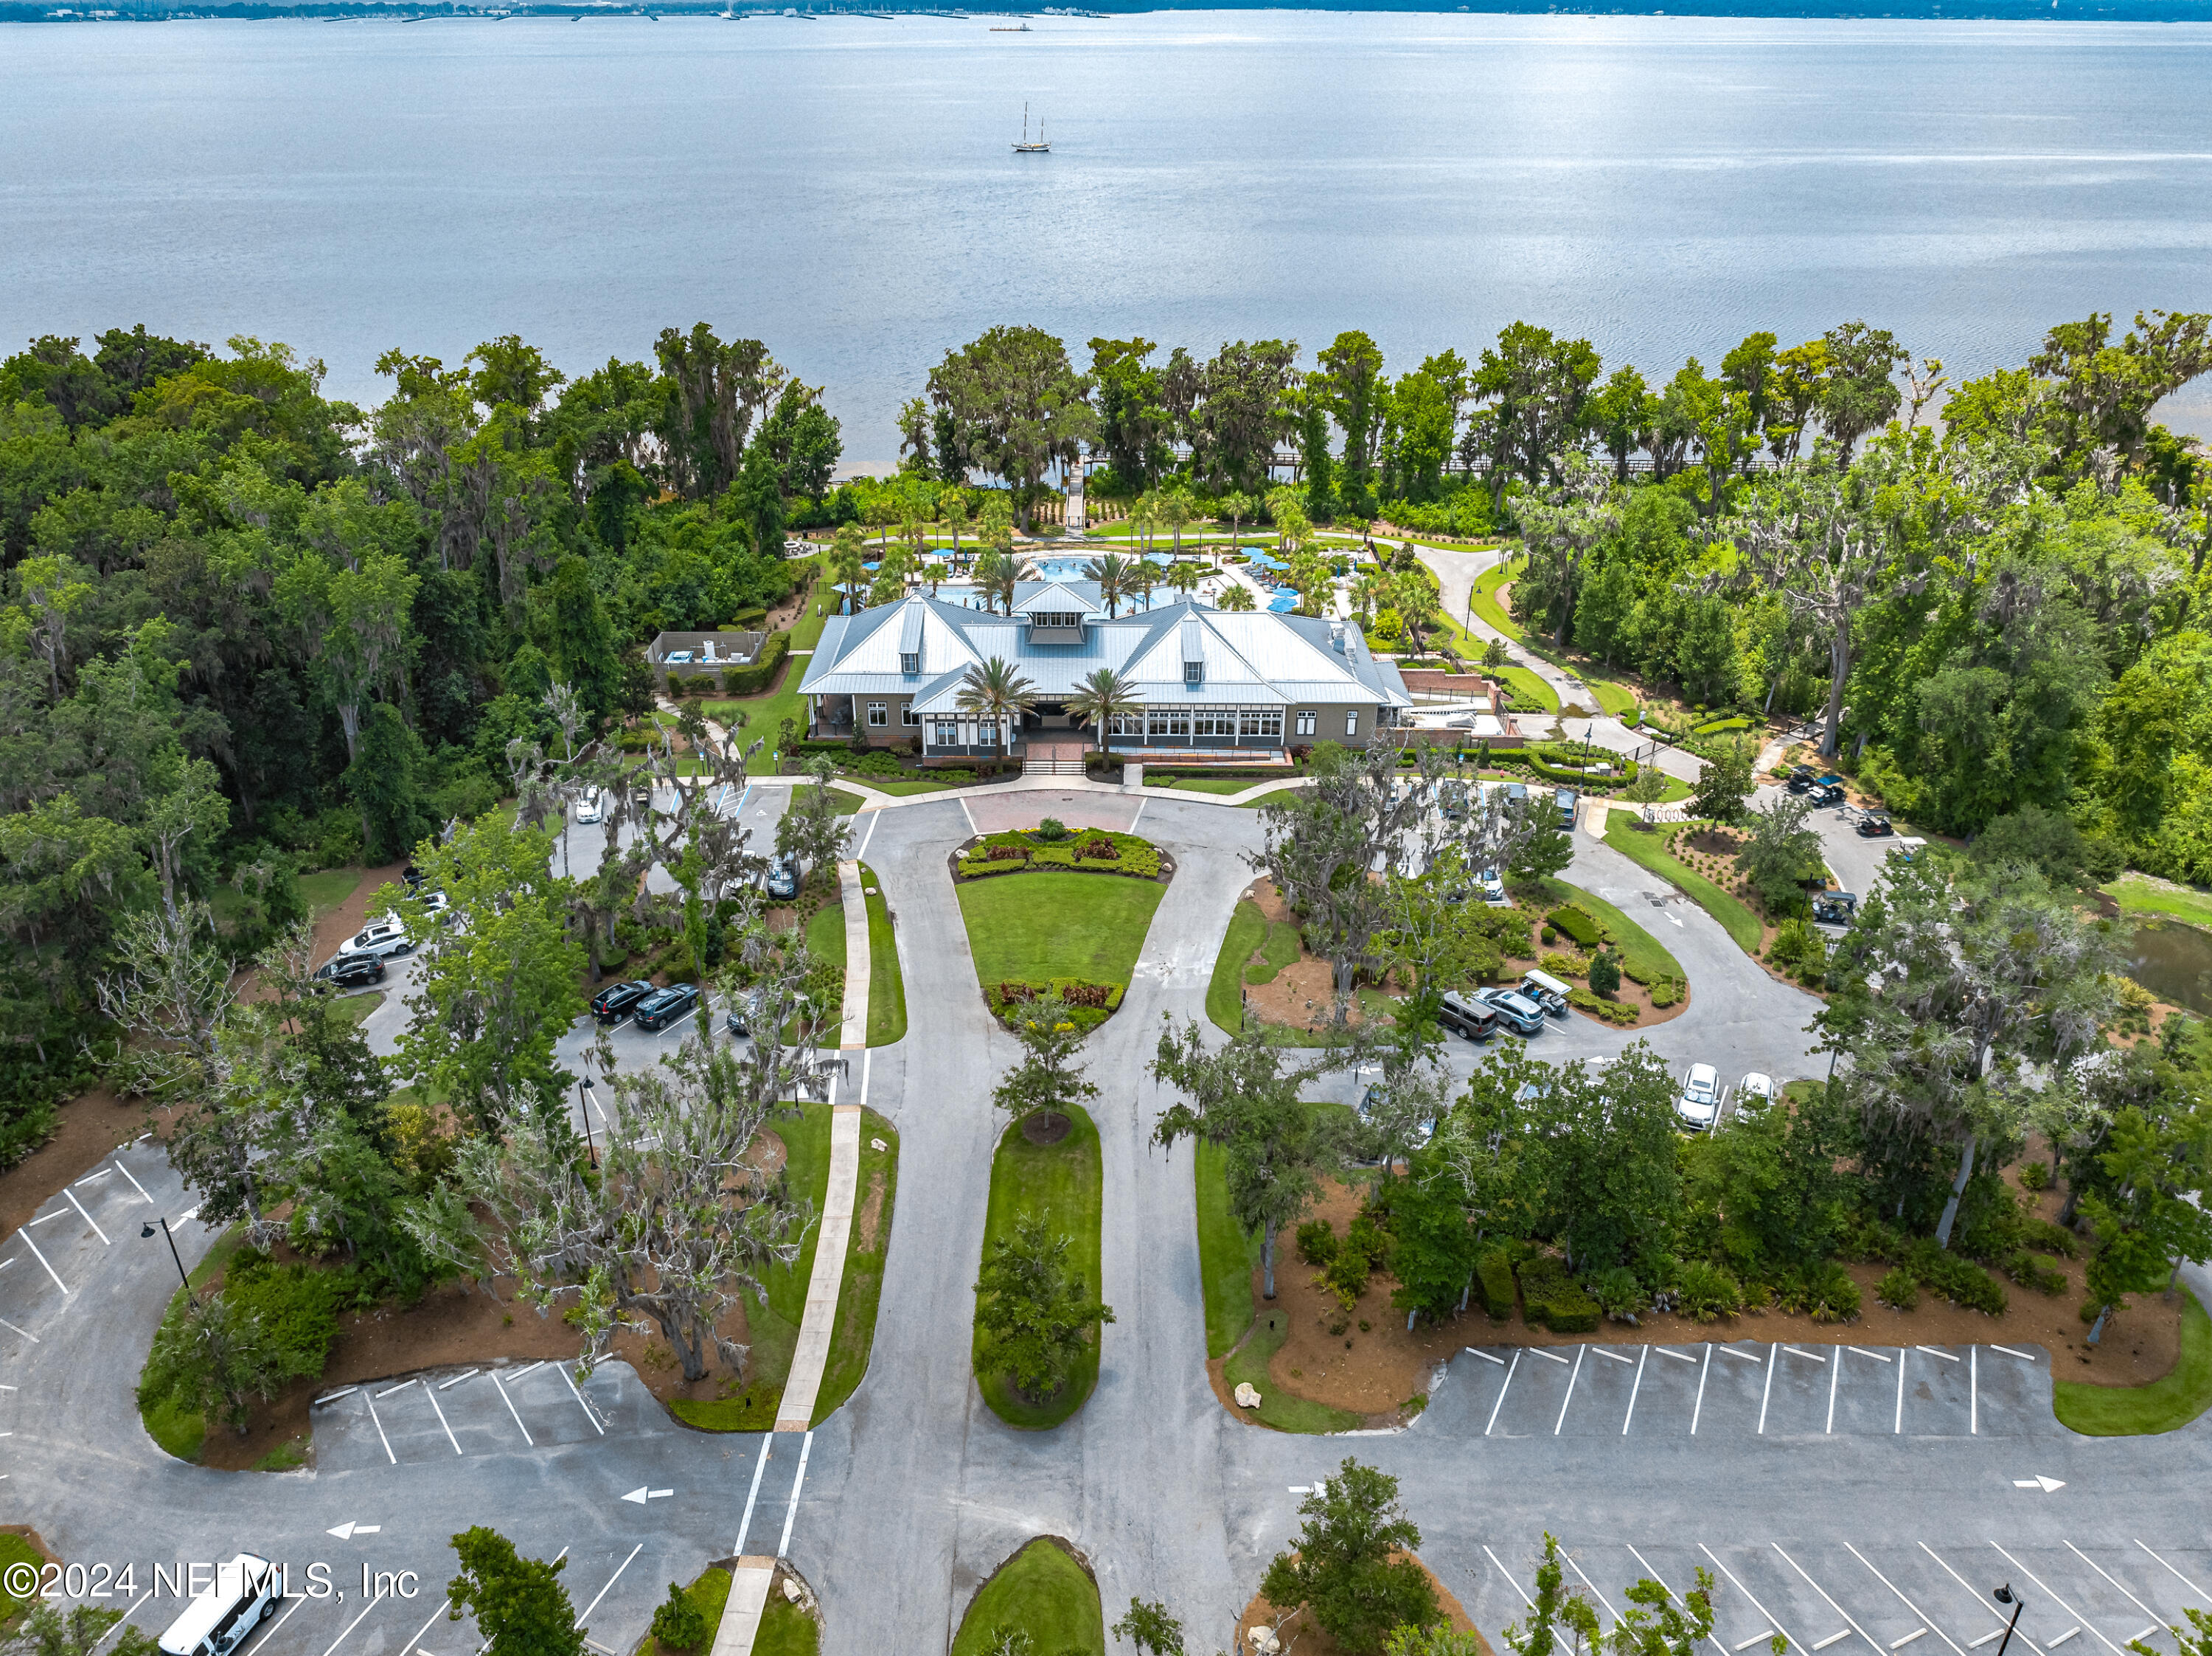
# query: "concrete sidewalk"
855,1032
810,1358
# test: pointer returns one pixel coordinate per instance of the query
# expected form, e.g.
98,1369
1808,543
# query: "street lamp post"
147,1229
2004,1596
584,1091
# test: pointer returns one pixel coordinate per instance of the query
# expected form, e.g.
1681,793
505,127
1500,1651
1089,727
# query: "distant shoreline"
2060,11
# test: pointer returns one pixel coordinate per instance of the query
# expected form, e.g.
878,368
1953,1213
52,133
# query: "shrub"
680,1624
1553,1300
1604,974
2029,1271
1089,1004
1577,926
1052,830
751,680
1797,946
1612,1011
2035,1176
1898,1288
2046,1238
1666,991
1493,1280
1704,1293
1832,1295
1617,1292
1345,1276
1959,1281
297,1307
1317,1243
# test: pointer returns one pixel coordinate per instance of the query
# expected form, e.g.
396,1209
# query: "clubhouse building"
1213,686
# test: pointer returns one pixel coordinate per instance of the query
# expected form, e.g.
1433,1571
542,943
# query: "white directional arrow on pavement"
347,1530
642,1494
2039,1481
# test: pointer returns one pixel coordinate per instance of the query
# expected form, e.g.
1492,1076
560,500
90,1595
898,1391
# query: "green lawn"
1526,687
1486,605
1271,1326
2137,893
1061,1183
1043,1593
1278,944
1034,927
14,1550
1617,700
847,804
1646,852
903,786
1642,954
1205,784
825,934
1226,1256
886,988
860,1290
708,1595
2164,1405
352,1009
1279,796
787,1630
775,1325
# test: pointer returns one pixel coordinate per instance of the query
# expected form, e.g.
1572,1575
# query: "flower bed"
1085,851
1089,1004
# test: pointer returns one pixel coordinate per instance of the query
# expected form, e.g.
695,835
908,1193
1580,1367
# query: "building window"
947,733
1126,724
877,718
1167,721
1306,717
1262,721
910,662
1351,723
1214,723
908,716
1193,671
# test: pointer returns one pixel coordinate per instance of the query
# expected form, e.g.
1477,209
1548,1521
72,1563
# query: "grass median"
1061,1184
1250,931
2167,1404
1642,956
1032,928
1527,687
886,987
1647,849
1486,604
1041,1591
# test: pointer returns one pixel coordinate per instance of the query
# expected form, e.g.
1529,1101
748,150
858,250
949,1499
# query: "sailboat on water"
1025,148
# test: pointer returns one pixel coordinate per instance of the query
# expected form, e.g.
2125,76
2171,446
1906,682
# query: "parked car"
351,971
380,938
1567,799
1493,887
1758,1085
783,878
665,1006
1800,778
244,1594
1463,1015
1516,797
1699,1106
1875,824
1515,1010
640,799
588,809
739,1018
1548,992
618,1000
1829,793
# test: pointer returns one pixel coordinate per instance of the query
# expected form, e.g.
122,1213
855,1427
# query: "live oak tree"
521,1607
1561,528
1020,405
1350,1563
1034,1315
1723,780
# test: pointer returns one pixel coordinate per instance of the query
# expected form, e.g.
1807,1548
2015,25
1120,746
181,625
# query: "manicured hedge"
1018,853
1552,1299
751,680
1612,1011
1493,1279
1577,926
1532,759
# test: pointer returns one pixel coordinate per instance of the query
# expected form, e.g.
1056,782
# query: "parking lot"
1846,1596
500,1408
1743,1389
47,1266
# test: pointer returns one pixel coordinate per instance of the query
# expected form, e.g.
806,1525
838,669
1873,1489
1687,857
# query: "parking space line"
1937,1352
1902,1600
586,1617
1554,1356
1773,1620
1863,1352
448,1385
1835,1380
1501,1390
1795,1352
431,1392
1508,1574
2057,1600
1632,1391
407,1649
371,1401
1766,1391
1916,1633
2107,1574
25,1332
1730,1351
86,1217
24,1233
1711,1638
332,1396
510,1409
1833,1639
2063,1637
120,1622
1602,1352
2025,1357
1679,1356
791,1512
402,1387
1743,1645
298,1599
1899,1428
745,1524
580,1403
373,1602
1697,1413
1596,1598
2178,1576
1569,1397
135,1185
1485,1357
1974,1391
1823,1592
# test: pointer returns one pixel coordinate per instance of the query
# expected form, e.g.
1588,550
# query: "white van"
1547,991
220,1620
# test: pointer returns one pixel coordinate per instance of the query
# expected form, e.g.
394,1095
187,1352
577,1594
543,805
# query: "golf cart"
1835,907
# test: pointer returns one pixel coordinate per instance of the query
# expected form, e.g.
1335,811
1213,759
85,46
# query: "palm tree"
1114,574
1183,577
996,691
1143,579
1145,517
1177,509
1235,506
954,511
1237,596
845,556
997,574
1417,603
1102,698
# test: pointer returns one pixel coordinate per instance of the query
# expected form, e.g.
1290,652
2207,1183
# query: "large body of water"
846,191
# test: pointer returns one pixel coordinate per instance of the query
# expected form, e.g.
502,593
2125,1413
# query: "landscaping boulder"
1248,1395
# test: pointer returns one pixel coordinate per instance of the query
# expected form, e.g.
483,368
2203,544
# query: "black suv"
1875,824
613,1003
1801,778
351,971
664,1006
